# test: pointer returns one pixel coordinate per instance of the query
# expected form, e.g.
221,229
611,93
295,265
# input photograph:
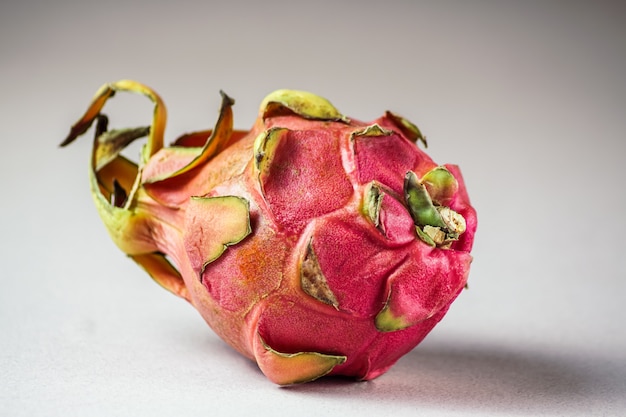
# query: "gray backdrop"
527,97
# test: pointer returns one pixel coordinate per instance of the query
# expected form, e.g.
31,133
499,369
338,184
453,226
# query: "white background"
527,97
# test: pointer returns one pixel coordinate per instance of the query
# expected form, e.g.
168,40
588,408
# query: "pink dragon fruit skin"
313,244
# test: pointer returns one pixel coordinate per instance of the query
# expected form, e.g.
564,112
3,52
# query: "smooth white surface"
527,97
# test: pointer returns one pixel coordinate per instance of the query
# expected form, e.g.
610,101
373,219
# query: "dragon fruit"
313,244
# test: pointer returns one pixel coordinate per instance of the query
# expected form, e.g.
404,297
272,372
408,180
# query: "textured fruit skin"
276,240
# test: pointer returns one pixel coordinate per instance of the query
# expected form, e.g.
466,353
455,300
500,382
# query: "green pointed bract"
372,130
420,204
302,103
109,144
441,185
386,321
155,139
169,163
409,130
294,368
373,199
436,224
264,149
211,225
214,144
